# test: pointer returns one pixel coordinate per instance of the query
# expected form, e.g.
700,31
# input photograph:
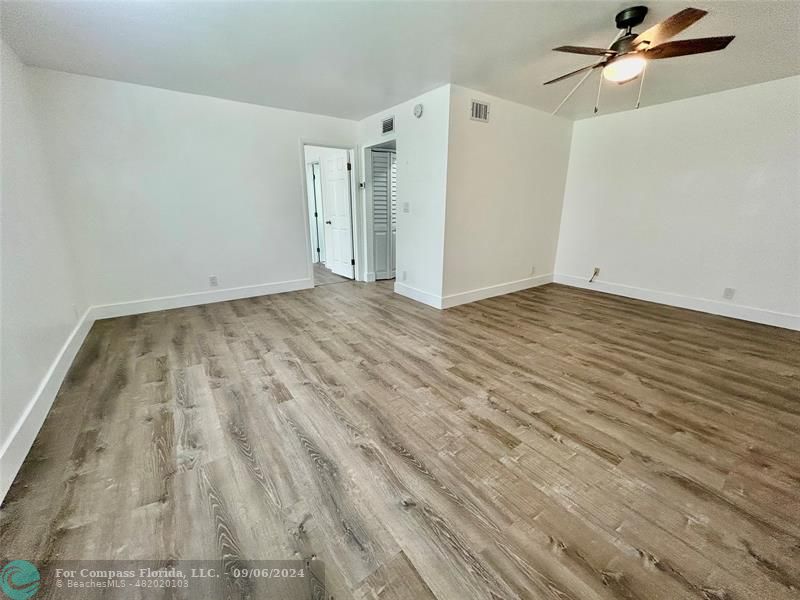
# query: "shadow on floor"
324,276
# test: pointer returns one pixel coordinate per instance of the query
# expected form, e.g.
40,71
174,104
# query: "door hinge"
349,166
316,214
353,261
318,250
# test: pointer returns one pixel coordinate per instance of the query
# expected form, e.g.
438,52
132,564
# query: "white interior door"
338,220
384,212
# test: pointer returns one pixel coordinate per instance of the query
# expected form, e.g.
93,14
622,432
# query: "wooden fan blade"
585,50
581,70
669,27
686,47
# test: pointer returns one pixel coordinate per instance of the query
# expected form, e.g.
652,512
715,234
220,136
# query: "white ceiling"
352,59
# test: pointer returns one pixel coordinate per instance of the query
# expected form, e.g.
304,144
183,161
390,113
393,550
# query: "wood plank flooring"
324,276
548,444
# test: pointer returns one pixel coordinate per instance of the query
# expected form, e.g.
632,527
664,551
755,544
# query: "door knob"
328,223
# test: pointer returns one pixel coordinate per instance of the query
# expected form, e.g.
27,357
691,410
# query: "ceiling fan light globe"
624,69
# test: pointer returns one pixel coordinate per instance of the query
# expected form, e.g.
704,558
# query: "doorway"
329,187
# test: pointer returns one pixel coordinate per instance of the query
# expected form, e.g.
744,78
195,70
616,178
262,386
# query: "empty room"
390,300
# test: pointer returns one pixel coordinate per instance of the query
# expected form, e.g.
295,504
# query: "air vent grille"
387,125
480,111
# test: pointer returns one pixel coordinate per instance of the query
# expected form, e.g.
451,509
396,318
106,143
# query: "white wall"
163,189
505,187
422,184
678,201
41,301
485,199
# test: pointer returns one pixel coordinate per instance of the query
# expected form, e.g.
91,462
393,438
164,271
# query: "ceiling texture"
353,59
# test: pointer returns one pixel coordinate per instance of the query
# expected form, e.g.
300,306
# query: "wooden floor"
324,276
549,444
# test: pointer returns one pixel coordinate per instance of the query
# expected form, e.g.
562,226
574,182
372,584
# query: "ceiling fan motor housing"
631,17
624,44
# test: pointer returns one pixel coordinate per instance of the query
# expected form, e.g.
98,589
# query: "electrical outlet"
403,275
406,207
533,269
212,281
728,293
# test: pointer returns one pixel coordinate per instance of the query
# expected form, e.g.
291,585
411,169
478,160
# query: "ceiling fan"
627,56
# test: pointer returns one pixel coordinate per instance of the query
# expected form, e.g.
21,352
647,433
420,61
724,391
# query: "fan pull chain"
597,101
641,85
575,89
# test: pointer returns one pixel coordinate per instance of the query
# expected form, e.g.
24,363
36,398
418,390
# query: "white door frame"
351,151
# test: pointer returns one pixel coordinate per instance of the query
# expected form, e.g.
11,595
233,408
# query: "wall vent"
387,125
480,111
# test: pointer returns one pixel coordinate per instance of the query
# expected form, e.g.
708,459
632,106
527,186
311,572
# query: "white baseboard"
725,309
23,434
418,295
451,300
471,295
370,277
138,307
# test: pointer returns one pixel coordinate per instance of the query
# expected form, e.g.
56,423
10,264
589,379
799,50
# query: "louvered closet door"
393,198
382,217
